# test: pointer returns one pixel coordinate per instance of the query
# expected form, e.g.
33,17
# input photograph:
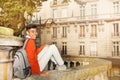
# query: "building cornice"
82,2
59,3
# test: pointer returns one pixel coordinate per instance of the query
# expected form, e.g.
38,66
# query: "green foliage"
12,14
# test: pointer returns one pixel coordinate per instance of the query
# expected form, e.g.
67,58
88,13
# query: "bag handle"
25,43
12,51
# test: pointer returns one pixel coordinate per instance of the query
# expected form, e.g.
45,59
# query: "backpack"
21,67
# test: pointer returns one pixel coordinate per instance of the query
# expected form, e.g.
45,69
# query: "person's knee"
53,45
50,46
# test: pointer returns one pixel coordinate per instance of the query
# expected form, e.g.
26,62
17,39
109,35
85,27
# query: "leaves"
12,14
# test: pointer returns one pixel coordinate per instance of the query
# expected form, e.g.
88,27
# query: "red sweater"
32,56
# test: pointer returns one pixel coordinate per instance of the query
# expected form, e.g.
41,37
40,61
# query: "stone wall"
97,69
7,43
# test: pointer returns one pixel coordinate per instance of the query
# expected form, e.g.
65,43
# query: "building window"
54,32
115,51
115,29
64,48
65,1
82,31
64,13
54,2
94,30
116,7
94,10
54,13
82,12
93,49
64,32
82,49
54,43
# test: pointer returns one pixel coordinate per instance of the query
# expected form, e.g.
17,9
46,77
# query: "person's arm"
40,49
32,57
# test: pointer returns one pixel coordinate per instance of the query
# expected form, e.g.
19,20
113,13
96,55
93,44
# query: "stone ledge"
77,73
6,31
10,41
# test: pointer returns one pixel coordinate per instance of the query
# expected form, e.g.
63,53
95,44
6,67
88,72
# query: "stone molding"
7,38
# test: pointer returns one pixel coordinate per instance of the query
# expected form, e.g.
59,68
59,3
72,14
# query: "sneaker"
61,67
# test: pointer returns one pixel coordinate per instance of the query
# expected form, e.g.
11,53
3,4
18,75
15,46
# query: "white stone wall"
104,22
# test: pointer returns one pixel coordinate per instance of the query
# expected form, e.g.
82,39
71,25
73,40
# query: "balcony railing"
116,53
117,34
54,36
64,36
60,2
82,53
84,18
78,18
93,35
81,35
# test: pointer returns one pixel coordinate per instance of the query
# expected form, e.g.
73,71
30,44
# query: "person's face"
32,33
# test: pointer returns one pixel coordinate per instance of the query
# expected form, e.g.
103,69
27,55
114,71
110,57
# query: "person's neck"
27,36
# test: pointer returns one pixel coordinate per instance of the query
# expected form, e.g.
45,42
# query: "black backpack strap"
25,43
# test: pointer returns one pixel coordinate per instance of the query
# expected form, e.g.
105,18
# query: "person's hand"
44,74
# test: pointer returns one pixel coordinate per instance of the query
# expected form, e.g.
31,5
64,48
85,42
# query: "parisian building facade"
82,27
87,28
